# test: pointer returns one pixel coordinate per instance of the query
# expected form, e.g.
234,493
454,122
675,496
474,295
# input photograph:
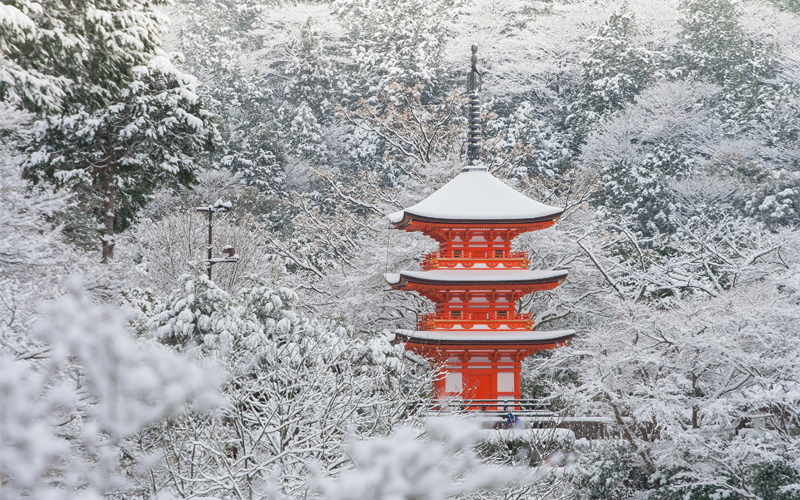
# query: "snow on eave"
485,337
475,276
392,278
396,217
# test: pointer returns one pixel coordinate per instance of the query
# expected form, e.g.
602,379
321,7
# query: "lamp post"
229,251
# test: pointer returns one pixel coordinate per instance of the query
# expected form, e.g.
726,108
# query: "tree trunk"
109,197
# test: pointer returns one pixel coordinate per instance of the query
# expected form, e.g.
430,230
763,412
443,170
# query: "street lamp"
228,251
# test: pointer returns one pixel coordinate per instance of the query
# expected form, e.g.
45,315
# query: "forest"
667,130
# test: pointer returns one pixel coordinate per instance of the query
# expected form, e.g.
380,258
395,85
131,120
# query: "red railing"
522,321
468,259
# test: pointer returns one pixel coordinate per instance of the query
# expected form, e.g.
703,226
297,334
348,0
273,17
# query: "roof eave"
404,280
410,338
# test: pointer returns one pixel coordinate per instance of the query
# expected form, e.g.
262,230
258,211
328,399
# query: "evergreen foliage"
401,42
126,121
618,68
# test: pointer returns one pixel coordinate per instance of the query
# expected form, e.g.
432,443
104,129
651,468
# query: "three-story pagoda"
475,334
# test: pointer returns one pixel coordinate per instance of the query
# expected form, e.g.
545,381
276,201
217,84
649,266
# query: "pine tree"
218,41
400,42
313,79
116,156
618,69
309,95
123,120
713,46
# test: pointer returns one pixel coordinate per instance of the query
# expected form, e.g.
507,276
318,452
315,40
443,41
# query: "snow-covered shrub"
71,410
437,464
33,250
608,469
775,481
532,448
299,387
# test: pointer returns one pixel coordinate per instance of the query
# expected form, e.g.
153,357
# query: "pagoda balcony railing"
522,321
519,407
467,259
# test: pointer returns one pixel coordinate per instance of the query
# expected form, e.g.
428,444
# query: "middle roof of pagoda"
475,277
476,196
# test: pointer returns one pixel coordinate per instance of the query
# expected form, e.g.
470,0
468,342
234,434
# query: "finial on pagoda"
474,120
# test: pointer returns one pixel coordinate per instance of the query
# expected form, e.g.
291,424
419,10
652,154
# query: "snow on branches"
69,410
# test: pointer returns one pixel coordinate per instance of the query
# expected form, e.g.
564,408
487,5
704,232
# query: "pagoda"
475,335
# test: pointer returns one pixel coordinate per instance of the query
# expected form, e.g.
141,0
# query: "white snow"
474,275
477,195
12,17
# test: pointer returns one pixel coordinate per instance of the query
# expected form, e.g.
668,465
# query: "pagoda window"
502,314
505,382
455,314
457,254
498,254
453,382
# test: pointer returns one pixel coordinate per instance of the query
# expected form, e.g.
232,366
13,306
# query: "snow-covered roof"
478,337
476,195
475,276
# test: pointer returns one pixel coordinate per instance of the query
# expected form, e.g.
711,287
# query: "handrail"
448,259
520,407
431,321
450,254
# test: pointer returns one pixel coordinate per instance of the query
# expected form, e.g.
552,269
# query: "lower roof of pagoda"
475,277
485,337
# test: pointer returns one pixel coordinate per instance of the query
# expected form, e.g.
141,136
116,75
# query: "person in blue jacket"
512,420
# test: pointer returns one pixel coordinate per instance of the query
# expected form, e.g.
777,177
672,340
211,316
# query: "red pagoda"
475,334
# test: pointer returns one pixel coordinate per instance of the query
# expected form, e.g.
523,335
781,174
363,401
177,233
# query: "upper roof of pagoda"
478,197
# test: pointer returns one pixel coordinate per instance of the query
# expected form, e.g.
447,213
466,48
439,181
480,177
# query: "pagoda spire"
474,120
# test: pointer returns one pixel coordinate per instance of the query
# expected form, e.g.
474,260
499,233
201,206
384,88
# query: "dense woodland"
668,130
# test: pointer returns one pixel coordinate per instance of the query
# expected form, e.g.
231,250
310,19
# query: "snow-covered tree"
219,41
125,121
117,155
703,389
656,140
618,68
313,79
22,81
712,45
177,244
395,43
